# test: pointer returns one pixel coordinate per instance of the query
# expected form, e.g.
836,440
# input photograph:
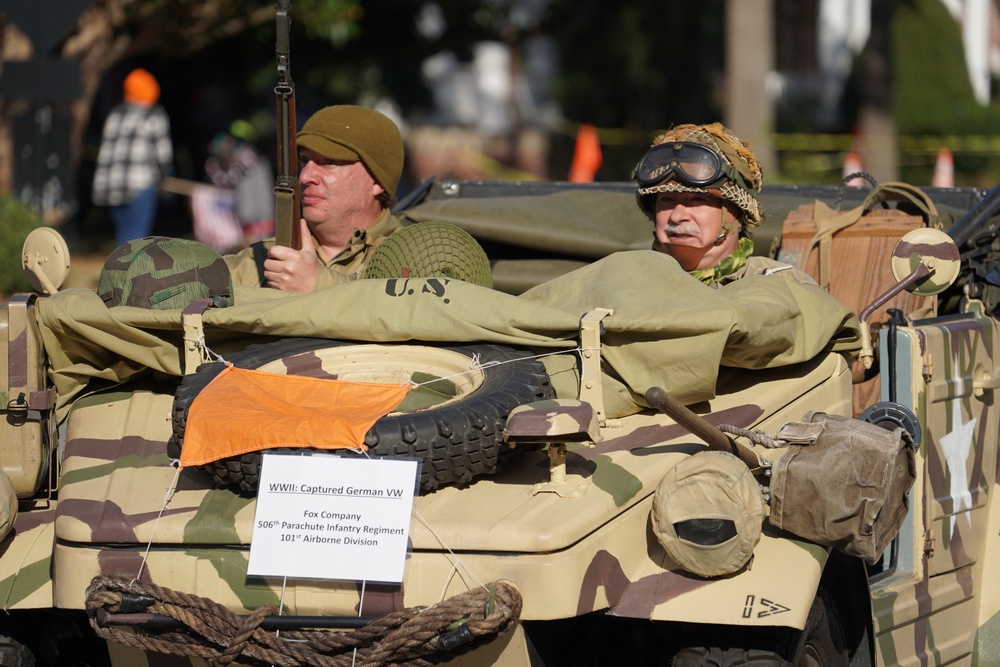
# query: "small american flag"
213,213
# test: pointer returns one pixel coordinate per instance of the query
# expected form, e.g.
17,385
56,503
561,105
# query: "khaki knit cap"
353,133
734,151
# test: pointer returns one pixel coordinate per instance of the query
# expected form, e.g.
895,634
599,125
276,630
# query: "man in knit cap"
135,153
700,186
350,163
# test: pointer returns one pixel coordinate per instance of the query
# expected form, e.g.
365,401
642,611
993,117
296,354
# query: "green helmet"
163,273
431,250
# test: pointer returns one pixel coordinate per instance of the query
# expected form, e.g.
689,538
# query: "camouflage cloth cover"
871,467
163,273
431,249
707,513
667,329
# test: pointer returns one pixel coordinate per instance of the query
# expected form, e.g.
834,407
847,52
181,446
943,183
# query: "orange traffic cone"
944,170
587,156
852,165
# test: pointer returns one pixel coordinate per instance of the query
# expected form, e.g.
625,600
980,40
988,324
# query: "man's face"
334,190
688,226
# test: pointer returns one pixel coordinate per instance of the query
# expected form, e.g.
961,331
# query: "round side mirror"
45,260
935,250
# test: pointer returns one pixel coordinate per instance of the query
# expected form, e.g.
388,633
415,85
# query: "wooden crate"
860,269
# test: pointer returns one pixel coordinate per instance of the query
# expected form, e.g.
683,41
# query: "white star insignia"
956,446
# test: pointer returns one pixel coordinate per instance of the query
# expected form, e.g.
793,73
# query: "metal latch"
983,382
591,390
194,334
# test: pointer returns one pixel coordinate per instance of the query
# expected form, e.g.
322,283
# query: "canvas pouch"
842,483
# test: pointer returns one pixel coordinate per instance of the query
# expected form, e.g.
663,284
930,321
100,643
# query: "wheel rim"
443,376
810,657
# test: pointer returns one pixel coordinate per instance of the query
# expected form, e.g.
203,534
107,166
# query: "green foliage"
640,66
932,94
931,85
333,20
16,222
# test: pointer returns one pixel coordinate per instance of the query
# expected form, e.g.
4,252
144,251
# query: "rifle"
287,193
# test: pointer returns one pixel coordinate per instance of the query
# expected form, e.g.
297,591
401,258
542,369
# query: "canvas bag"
842,483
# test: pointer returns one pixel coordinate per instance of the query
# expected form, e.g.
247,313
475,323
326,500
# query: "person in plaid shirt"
135,153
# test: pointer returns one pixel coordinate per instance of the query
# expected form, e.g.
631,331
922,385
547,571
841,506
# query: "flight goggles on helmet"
691,164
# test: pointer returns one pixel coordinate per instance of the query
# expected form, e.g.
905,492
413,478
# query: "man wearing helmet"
700,186
350,163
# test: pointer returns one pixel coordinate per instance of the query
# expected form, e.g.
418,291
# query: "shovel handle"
713,437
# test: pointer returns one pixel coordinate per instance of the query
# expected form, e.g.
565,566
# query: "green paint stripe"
615,480
26,581
215,520
232,568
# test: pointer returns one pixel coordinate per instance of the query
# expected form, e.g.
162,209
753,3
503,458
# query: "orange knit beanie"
141,87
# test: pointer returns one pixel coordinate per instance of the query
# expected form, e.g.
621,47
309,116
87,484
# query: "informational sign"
323,516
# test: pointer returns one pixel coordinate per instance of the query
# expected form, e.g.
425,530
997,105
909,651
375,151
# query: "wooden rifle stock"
287,193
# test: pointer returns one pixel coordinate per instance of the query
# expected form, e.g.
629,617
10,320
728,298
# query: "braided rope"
755,436
415,637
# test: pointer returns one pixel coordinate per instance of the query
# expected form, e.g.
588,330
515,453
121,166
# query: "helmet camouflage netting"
162,273
431,249
734,151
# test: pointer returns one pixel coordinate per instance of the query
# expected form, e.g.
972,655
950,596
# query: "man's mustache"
683,228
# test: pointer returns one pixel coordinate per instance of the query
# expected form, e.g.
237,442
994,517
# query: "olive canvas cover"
667,329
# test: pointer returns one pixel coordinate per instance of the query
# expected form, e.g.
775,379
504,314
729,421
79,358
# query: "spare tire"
453,423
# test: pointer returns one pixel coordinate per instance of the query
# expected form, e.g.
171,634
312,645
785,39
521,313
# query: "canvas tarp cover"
581,223
667,330
576,223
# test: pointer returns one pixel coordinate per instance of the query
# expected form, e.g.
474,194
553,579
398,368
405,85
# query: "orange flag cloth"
244,411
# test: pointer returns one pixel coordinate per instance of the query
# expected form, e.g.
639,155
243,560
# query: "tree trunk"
876,122
749,110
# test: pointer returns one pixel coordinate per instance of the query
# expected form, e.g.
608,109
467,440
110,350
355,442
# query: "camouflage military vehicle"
567,433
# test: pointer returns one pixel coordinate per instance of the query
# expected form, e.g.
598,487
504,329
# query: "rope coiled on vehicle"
414,637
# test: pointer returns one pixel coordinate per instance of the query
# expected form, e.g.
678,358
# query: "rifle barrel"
287,193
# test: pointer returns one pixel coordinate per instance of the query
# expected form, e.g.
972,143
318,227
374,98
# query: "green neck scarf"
731,264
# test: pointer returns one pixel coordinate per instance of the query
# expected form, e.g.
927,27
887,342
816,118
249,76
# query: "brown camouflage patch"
126,563
107,521
26,521
380,599
627,598
946,251
307,364
112,450
17,363
162,261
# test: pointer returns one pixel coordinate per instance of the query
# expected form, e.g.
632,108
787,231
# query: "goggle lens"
690,163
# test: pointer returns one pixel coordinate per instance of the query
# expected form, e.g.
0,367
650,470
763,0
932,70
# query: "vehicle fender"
776,587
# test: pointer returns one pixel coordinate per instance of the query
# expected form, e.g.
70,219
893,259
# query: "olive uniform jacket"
247,266
765,266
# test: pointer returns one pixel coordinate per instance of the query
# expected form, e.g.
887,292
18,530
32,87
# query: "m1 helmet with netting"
743,191
162,273
431,249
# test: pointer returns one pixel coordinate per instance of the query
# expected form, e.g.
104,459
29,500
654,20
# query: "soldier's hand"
293,270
